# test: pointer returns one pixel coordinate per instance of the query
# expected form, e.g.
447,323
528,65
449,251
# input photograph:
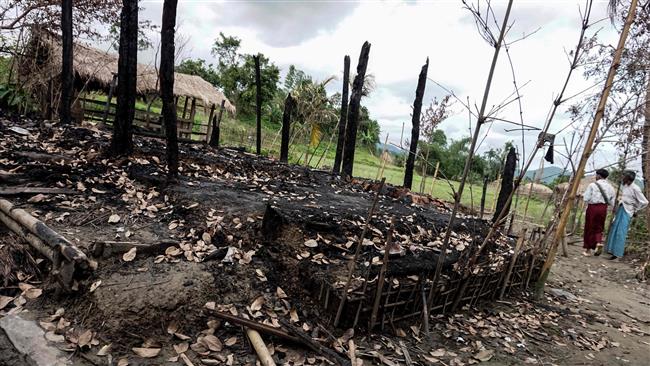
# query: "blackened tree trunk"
353,111
485,185
286,128
216,126
127,67
344,116
415,129
67,77
506,184
258,104
167,51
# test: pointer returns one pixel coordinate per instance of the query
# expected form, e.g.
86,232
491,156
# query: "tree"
127,69
67,76
199,67
144,42
415,129
46,14
353,111
167,53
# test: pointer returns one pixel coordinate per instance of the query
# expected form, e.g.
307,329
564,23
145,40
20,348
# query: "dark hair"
603,173
631,175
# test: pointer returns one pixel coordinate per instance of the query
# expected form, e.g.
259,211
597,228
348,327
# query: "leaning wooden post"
216,126
382,163
353,261
258,104
286,128
107,107
260,348
344,116
415,129
503,204
382,274
353,111
435,176
586,153
513,260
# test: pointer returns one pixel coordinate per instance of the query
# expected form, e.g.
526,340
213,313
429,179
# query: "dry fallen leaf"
130,255
257,304
4,301
105,350
281,294
38,198
186,360
52,337
294,315
114,218
85,338
146,352
123,362
484,355
212,343
311,243
181,347
230,341
33,293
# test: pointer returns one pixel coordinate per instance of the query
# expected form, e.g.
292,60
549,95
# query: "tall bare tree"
127,68
415,129
167,83
67,77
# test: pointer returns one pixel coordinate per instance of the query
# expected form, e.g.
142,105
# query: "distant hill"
548,174
390,148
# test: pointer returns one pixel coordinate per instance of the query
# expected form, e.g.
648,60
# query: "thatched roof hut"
536,189
584,182
94,69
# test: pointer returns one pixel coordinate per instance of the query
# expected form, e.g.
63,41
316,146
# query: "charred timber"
415,130
344,116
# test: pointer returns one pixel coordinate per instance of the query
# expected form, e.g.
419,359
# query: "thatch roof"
96,68
584,182
538,190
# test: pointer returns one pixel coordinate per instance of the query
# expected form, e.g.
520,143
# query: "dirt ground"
210,242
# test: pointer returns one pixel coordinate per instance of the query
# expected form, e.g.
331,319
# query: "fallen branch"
12,191
313,345
256,326
42,157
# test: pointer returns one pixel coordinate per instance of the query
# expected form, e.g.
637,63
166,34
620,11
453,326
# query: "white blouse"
632,198
593,196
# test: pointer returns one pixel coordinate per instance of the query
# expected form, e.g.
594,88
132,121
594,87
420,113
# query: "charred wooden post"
258,104
286,128
344,116
483,193
127,68
353,261
353,111
415,129
506,185
216,126
167,51
67,76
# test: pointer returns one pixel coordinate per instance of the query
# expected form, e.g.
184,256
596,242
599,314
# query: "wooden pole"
258,105
382,163
107,107
260,348
286,128
415,129
382,274
513,260
353,261
216,126
586,153
483,194
67,72
435,176
340,143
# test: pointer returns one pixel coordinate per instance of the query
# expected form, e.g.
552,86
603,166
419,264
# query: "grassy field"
241,133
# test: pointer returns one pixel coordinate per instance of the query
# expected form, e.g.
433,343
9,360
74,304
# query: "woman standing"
598,196
632,200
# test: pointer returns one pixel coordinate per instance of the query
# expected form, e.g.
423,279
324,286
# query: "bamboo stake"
382,274
380,169
546,268
260,348
435,176
513,260
353,260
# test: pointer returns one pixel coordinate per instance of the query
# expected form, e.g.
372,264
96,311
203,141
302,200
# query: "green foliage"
236,75
369,129
562,178
144,42
13,98
200,68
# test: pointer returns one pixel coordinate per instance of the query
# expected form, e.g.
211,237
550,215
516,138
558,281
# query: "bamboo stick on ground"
260,348
511,266
382,274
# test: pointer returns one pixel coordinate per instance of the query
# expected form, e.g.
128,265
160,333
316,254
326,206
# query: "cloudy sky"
315,36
